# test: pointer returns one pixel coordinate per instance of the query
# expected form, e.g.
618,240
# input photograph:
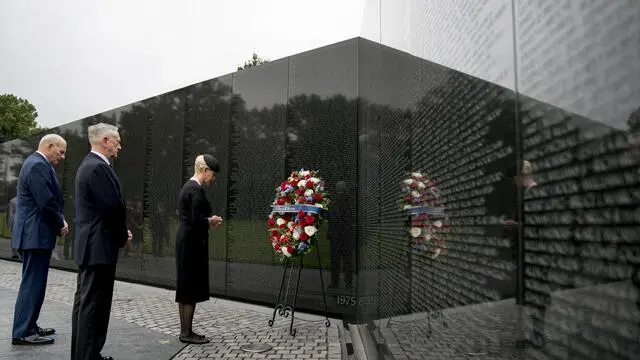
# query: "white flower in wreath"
421,185
415,193
302,184
415,231
408,181
416,174
319,205
310,230
437,224
296,233
285,251
308,192
280,221
290,225
315,180
304,173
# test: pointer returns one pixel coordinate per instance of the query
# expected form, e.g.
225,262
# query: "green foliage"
634,122
17,118
253,62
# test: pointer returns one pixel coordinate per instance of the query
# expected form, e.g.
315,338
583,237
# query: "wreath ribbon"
296,208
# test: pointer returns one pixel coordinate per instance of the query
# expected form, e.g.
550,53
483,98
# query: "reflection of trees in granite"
634,121
132,168
206,130
251,130
164,161
321,135
77,147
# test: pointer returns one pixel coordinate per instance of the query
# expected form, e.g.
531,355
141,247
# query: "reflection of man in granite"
10,213
526,181
136,224
341,238
160,223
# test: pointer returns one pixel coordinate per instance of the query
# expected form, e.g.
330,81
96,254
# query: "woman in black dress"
192,245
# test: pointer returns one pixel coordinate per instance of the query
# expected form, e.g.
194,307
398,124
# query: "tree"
17,118
634,122
253,62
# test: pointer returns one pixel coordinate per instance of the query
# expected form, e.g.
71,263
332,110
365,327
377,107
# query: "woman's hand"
215,221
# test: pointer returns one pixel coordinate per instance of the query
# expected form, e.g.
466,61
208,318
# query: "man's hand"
129,237
65,229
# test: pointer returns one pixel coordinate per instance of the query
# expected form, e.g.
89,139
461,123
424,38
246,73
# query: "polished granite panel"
207,130
464,141
322,135
570,260
163,162
257,165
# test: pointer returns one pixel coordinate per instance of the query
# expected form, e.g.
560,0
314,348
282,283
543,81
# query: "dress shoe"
45,331
32,340
193,339
198,335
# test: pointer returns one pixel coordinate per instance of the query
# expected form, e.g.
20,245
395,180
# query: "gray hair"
51,139
100,130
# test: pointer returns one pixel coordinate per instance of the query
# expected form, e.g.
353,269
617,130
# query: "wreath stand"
430,315
283,307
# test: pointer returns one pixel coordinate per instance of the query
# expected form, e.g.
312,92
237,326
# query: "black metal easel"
282,307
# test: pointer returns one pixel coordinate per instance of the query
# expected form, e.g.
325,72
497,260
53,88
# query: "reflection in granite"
256,166
322,135
485,331
207,128
568,194
580,233
460,134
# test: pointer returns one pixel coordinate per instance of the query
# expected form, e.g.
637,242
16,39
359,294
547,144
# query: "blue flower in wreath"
302,246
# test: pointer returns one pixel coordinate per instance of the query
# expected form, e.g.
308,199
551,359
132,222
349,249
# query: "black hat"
212,163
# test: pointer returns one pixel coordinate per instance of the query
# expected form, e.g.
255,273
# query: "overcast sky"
76,58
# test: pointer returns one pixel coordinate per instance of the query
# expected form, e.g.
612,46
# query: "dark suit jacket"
101,215
38,215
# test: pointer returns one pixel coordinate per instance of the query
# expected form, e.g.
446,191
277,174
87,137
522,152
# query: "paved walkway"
152,317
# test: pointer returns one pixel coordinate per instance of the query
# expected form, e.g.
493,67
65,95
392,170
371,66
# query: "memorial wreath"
296,212
428,221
